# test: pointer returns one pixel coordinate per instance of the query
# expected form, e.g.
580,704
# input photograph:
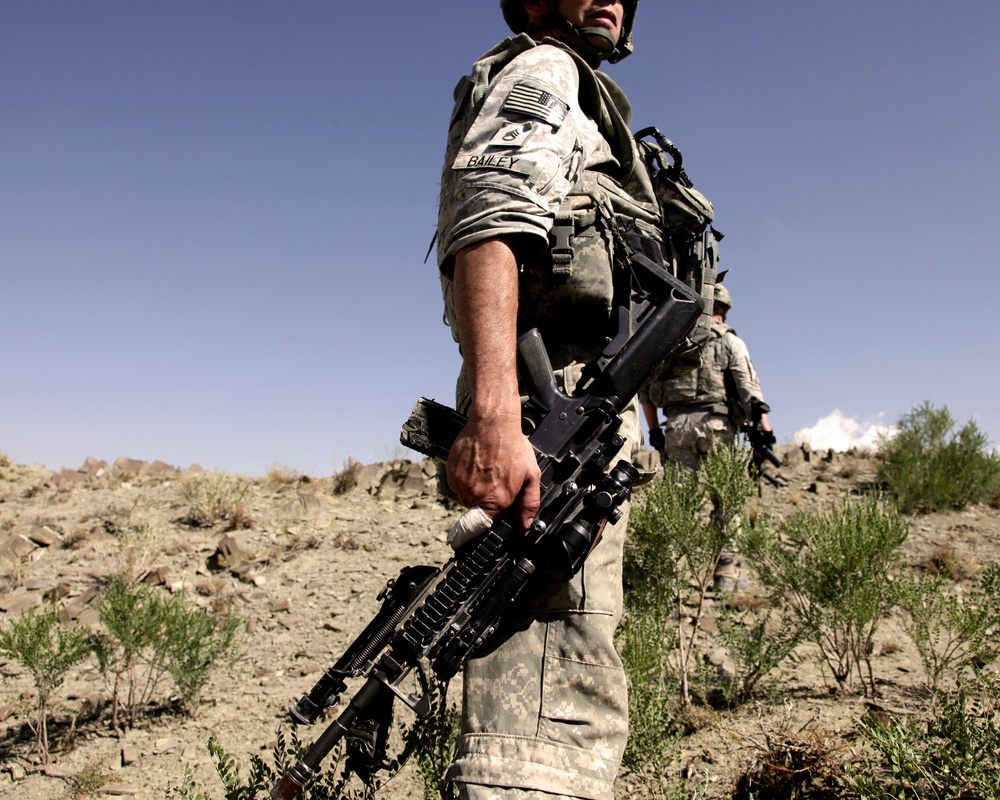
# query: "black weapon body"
761,442
438,618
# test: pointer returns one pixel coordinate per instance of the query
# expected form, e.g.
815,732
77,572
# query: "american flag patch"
534,102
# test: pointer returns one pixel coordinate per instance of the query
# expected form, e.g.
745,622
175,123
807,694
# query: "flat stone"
44,536
17,604
117,789
94,467
161,468
17,546
128,466
167,745
156,577
130,754
57,592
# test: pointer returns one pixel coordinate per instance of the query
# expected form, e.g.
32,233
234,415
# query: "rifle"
761,442
438,618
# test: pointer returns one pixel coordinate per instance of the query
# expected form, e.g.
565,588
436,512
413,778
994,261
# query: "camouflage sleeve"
508,169
743,372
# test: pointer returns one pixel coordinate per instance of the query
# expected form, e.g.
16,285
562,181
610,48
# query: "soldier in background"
709,406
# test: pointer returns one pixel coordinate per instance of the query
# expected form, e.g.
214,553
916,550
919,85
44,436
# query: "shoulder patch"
533,101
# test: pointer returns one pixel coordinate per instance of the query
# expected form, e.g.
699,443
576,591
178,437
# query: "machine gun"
438,618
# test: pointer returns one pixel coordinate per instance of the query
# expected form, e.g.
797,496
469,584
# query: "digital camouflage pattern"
547,712
525,161
709,404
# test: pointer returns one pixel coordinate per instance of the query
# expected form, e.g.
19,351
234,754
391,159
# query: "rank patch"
535,102
512,135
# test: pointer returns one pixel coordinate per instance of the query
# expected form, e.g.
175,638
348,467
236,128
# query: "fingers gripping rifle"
438,618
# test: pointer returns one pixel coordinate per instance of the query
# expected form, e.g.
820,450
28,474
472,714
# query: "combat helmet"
517,20
722,295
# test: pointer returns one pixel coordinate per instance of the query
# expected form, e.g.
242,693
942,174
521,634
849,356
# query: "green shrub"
952,633
431,740
674,546
47,649
955,753
680,525
262,777
928,466
758,639
837,569
151,636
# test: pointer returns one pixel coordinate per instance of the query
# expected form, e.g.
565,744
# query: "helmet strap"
577,37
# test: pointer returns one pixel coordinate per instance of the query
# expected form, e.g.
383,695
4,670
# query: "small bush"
329,783
89,781
135,549
837,568
928,466
953,633
757,641
48,650
347,478
792,765
953,753
432,739
150,637
284,476
217,499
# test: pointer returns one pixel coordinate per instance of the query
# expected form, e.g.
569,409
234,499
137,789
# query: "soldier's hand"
656,439
491,463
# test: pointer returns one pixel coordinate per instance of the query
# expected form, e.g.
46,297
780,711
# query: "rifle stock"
439,617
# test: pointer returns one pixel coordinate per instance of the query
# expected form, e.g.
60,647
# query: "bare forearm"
491,461
651,414
486,307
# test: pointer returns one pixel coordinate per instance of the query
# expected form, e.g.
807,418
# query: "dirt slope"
306,576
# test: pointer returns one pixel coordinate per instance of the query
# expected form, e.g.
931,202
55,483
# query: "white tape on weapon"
473,523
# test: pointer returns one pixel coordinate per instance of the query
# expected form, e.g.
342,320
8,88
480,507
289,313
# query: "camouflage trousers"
546,713
689,436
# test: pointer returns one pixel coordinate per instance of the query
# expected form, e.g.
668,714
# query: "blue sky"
214,215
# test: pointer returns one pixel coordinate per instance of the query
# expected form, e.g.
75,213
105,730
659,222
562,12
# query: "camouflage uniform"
547,711
706,406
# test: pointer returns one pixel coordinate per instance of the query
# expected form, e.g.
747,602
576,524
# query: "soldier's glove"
657,440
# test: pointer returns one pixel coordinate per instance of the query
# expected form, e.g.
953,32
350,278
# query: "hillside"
306,573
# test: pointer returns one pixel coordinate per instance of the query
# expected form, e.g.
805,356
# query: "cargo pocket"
584,705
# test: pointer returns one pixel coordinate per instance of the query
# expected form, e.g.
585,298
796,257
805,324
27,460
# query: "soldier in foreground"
539,173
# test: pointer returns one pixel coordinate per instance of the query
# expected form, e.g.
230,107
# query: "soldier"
710,404
539,174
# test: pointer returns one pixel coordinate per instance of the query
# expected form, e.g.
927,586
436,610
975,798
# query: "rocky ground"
305,573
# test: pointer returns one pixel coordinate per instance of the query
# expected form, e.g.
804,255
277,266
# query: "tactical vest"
703,389
570,291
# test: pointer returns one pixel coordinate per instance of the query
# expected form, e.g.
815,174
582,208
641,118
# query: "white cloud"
837,432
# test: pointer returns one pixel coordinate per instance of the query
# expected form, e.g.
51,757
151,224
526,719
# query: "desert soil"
306,575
